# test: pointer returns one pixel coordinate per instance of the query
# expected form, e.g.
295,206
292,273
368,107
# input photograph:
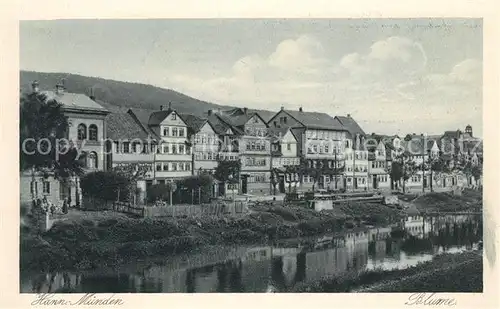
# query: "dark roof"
452,134
238,117
193,122
142,117
142,114
157,117
315,120
123,126
264,114
351,125
276,134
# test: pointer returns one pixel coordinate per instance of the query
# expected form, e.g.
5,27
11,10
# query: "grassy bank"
95,239
447,202
445,273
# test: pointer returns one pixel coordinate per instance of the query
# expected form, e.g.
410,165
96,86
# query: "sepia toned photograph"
251,156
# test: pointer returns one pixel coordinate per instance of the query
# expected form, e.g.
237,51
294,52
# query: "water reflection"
268,268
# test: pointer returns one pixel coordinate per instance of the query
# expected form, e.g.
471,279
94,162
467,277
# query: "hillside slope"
118,96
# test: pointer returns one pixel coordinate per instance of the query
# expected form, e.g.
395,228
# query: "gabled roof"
74,101
157,117
123,126
315,120
141,116
193,122
452,134
238,117
351,125
220,126
277,134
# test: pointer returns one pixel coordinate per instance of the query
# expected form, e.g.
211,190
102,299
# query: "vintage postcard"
319,156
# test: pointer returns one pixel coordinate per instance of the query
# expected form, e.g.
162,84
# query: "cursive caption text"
89,299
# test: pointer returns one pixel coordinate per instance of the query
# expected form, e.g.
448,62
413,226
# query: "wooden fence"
218,208
129,209
214,209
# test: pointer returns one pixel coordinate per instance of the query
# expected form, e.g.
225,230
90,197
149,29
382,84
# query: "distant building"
284,156
356,155
87,130
320,138
173,159
254,149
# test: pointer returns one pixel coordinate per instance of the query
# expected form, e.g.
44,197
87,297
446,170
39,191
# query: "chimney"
282,108
300,109
92,95
245,110
349,115
34,86
209,112
60,88
161,107
169,106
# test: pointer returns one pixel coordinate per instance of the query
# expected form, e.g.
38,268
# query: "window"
288,146
92,160
174,149
181,132
181,149
327,150
158,167
315,148
93,132
165,131
174,116
46,187
126,147
174,166
165,166
174,132
187,166
117,147
284,120
82,131
165,148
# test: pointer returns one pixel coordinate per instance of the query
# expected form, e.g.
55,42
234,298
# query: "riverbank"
462,272
88,240
447,202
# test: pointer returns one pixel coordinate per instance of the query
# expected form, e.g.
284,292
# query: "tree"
274,178
199,185
395,171
402,168
290,172
463,164
43,142
228,171
106,185
133,172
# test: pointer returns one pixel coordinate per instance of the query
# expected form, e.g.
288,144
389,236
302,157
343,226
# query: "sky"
394,76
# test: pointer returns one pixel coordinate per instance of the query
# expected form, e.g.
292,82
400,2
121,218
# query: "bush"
107,186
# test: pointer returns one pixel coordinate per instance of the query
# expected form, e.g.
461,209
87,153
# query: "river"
275,267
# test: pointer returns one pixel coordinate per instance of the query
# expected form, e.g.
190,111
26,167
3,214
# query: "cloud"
305,53
392,59
387,86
